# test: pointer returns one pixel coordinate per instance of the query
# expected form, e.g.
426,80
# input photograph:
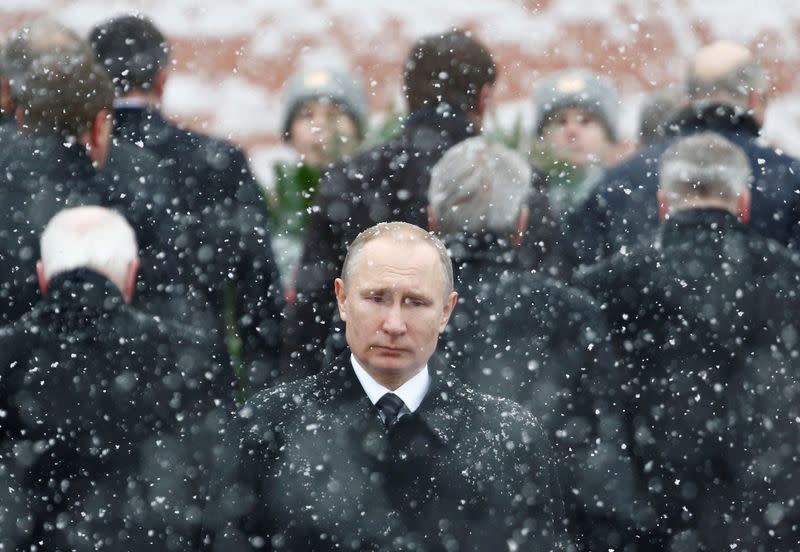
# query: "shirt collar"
412,392
130,103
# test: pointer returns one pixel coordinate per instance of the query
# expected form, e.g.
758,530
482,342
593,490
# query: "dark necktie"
391,407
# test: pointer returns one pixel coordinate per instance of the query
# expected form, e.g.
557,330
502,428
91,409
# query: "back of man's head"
132,50
704,170
64,94
91,237
450,68
479,187
725,71
27,44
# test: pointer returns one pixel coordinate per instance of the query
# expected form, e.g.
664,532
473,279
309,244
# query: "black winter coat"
44,174
223,239
705,322
623,210
518,335
317,470
108,421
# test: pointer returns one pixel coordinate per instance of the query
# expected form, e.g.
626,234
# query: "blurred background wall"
231,58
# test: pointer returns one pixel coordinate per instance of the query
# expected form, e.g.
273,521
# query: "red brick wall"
231,59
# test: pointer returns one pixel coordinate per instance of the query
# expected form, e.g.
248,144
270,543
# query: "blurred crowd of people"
616,367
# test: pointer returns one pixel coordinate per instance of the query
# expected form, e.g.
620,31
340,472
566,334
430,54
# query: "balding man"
108,415
705,324
727,89
384,449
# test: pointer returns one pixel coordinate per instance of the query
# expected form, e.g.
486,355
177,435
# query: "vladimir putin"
384,449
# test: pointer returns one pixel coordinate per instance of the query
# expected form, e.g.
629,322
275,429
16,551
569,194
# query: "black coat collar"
691,225
716,117
481,249
84,288
446,119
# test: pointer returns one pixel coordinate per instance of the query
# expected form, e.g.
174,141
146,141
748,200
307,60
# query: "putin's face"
394,305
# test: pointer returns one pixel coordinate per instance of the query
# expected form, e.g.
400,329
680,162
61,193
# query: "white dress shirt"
412,392
130,103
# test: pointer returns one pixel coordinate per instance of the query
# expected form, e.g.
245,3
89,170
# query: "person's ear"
433,223
484,97
6,100
100,136
663,206
757,105
449,305
19,116
341,298
130,280
41,277
522,226
160,83
743,206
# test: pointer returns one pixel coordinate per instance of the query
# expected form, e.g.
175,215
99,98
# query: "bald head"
94,238
725,71
718,59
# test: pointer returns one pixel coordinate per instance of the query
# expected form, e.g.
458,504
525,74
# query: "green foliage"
383,131
513,138
232,339
295,189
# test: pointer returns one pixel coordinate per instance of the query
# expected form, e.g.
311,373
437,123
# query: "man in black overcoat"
524,337
705,323
223,238
385,449
109,415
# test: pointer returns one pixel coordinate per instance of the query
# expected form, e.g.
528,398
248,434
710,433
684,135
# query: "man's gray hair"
737,84
479,187
704,166
88,237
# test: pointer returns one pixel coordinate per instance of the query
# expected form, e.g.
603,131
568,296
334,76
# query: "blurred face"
394,307
322,132
577,136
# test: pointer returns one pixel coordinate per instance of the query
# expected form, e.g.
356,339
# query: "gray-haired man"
109,415
704,321
518,334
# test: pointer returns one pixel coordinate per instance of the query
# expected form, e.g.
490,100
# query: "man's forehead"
400,253
387,259
399,242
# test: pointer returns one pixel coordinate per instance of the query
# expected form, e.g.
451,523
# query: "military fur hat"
340,87
576,88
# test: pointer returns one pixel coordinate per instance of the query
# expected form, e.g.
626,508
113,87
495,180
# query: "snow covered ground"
232,58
